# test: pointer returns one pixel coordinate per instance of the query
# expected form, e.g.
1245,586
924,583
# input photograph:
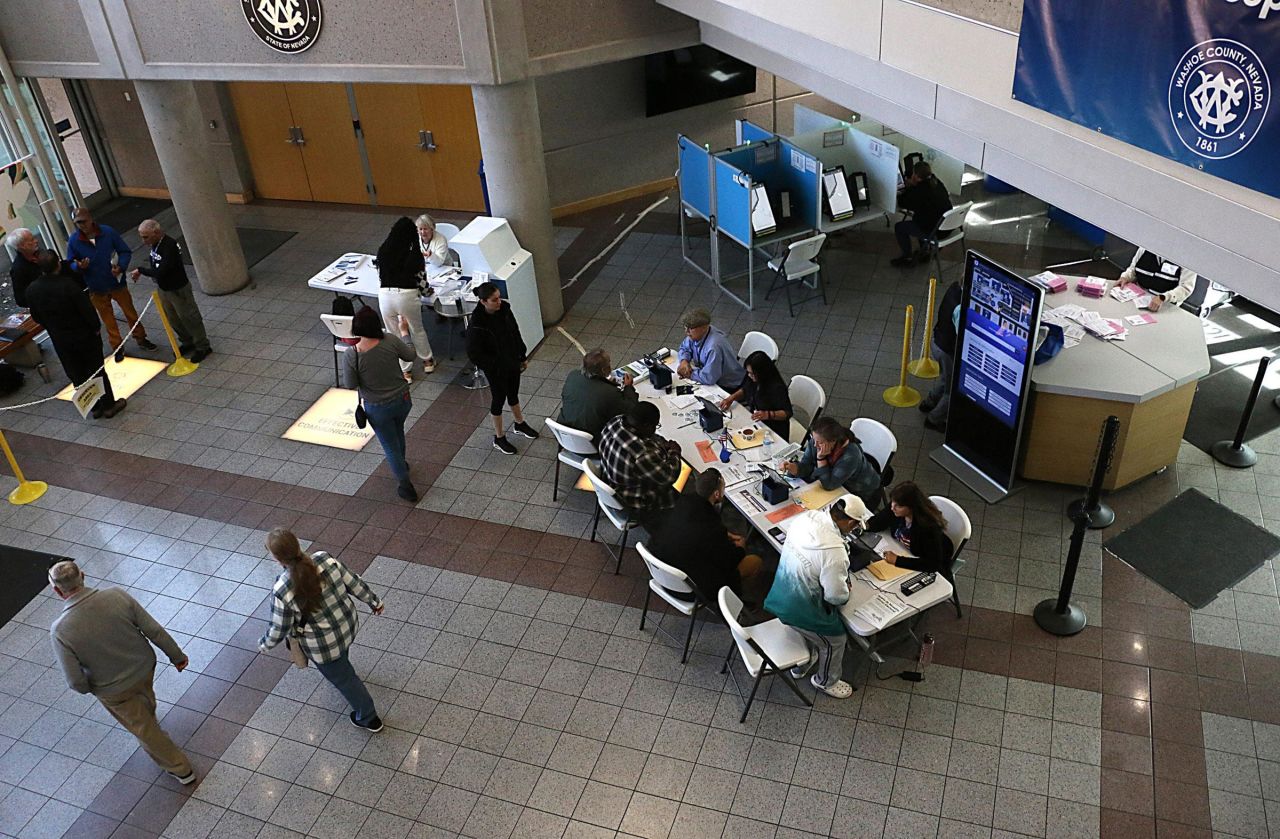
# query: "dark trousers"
81,356
504,386
343,676
904,230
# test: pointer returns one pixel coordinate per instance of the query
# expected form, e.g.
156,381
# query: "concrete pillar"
516,172
186,157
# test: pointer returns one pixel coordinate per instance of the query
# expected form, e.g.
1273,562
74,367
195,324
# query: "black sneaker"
525,430
146,344
115,408
503,445
926,406
407,492
373,726
902,261
198,356
120,354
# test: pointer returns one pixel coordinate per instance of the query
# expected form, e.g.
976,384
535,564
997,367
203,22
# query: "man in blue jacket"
100,257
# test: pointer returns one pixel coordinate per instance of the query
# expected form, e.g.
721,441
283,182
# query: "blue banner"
1187,79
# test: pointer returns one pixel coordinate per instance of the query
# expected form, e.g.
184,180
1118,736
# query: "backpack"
342,306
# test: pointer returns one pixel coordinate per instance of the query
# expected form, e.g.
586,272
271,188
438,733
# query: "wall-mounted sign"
284,25
1187,79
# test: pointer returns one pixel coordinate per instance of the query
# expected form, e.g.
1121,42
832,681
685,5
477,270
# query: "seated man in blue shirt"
706,356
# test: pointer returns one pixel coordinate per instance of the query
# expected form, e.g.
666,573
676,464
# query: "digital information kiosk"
991,379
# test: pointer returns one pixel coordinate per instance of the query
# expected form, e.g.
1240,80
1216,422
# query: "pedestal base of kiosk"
969,475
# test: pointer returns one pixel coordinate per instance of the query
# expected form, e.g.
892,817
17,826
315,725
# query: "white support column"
186,158
516,173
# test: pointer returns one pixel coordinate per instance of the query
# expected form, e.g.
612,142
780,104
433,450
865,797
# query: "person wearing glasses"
706,356
100,257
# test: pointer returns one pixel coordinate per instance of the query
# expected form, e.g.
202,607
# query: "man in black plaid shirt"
640,465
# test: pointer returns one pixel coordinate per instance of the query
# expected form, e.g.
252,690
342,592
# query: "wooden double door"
386,144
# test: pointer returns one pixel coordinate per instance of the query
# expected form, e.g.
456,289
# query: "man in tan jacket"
103,641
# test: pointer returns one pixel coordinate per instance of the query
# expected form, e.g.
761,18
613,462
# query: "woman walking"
400,268
495,346
370,369
311,603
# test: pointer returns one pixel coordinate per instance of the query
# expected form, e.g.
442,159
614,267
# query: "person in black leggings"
495,346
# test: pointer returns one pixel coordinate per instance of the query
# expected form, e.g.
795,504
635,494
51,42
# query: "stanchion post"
901,396
1100,515
26,491
1236,452
1060,616
925,367
181,366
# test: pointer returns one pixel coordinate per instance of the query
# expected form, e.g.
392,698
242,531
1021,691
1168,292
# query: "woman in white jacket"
812,583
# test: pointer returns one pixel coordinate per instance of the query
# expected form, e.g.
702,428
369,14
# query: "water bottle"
768,446
725,454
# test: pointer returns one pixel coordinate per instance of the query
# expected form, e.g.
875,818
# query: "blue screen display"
994,356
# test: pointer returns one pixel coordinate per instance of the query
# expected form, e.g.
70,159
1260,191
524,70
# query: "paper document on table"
708,454
715,394
880,610
1123,293
884,571
784,513
332,274
815,498
751,502
734,474
1068,311
1140,320
1142,302
680,403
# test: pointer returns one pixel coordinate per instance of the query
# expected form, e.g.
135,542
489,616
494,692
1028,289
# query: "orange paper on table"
784,513
704,449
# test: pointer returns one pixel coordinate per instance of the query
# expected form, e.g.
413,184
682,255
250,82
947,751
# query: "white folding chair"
447,230
758,341
667,581
340,327
767,649
795,267
607,502
807,401
880,443
958,530
950,230
575,448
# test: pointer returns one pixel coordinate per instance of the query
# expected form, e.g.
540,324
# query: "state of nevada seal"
1218,98
284,25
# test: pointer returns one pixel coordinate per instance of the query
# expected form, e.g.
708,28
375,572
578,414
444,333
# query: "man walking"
175,290
60,305
101,257
103,641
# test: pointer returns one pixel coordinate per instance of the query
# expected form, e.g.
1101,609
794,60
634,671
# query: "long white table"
681,426
362,280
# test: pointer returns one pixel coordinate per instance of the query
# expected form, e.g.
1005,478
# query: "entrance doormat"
256,243
1195,548
26,573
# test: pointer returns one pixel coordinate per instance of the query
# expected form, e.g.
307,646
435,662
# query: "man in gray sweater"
103,641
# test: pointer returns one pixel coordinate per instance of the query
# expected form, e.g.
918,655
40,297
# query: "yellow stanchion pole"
901,396
180,366
925,367
26,491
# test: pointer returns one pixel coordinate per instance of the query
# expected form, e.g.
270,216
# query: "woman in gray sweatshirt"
372,367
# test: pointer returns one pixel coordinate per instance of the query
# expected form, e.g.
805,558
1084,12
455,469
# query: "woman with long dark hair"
311,603
917,523
764,393
369,368
495,346
400,270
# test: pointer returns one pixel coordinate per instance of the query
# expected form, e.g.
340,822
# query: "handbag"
362,419
296,655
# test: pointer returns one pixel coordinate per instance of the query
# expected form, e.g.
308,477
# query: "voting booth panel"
746,131
695,176
733,202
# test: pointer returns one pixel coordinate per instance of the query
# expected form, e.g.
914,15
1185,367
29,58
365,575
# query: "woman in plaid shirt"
311,601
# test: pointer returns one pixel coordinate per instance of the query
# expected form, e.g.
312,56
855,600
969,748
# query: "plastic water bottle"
725,454
768,446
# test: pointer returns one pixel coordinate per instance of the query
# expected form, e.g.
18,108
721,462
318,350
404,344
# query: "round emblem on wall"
1218,97
284,25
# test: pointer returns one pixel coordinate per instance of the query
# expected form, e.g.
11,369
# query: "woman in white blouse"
435,248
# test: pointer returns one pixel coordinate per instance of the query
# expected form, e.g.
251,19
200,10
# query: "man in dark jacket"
61,306
927,199
590,398
495,346
24,271
693,538
938,402
166,268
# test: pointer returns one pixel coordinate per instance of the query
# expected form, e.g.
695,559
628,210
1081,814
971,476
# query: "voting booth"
487,245
759,193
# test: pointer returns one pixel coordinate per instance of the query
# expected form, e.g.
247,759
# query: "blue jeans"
904,230
343,676
387,419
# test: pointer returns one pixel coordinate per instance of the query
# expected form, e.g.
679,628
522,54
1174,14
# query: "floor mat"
1194,547
25,574
125,214
256,243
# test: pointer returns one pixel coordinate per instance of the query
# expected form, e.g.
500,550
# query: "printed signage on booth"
1187,79
287,26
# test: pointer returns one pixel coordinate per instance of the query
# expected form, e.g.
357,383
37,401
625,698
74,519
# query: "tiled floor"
520,698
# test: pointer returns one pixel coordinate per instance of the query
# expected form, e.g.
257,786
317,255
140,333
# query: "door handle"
426,141
302,140
293,135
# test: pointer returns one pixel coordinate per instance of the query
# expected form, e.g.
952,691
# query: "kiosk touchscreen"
762,220
836,189
991,376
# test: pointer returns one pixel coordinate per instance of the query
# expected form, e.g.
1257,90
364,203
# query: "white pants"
404,301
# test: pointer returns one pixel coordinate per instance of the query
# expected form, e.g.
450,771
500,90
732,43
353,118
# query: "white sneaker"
429,365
